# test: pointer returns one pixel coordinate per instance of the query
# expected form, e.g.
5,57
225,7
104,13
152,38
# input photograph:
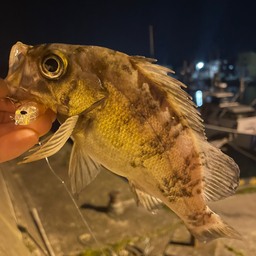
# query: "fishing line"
74,202
242,151
26,113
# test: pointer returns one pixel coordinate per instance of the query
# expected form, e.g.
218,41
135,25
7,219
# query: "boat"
225,117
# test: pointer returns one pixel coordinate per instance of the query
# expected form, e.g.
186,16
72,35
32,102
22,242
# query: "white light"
199,65
199,98
231,67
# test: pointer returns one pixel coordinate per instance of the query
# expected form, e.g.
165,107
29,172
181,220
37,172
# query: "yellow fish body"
128,115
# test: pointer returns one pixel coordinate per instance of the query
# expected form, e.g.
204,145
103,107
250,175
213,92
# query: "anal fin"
151,203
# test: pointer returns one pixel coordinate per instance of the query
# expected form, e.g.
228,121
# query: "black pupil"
51,65
23,112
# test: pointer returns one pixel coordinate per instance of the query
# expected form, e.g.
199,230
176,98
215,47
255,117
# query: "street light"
199,65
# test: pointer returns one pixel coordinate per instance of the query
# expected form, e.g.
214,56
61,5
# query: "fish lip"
16,91
17,56
16,63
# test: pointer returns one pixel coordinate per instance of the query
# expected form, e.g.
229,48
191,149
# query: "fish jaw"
19,79
23,79
16,66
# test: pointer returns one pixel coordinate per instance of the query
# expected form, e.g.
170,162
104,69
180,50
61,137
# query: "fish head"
54,75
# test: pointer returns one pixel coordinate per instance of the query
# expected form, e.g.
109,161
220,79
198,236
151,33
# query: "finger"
3,88
51,114
16,143
42,124
7,105
6,117
7,128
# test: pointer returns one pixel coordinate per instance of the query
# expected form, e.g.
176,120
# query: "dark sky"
182,29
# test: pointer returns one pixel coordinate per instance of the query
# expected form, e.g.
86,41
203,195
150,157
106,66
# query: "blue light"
199,98
231,67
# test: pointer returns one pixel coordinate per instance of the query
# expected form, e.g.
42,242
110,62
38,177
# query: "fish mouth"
15,72
12,87
17,56
15,90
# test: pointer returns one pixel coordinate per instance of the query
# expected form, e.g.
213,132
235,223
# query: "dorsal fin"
177,97
220,172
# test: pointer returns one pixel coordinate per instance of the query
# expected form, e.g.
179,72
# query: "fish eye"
53,65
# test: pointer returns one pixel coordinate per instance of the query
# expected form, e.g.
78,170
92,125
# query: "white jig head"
26,113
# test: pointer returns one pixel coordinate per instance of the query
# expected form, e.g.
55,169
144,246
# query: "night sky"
183,30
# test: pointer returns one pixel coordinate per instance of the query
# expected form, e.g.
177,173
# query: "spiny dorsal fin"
82,169
177,97
220,172
55,143
138,58
151,203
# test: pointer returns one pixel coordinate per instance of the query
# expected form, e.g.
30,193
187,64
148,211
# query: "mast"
151,41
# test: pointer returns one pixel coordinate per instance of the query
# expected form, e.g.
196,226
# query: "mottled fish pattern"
126,114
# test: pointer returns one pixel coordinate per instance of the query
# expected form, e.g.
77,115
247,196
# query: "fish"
127,114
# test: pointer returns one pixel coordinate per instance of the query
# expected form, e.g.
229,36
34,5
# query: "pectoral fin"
151,203
82,169
55,142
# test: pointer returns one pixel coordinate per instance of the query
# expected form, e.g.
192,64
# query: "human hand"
17,139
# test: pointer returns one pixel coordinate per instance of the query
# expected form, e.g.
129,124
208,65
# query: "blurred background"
191,31
211,46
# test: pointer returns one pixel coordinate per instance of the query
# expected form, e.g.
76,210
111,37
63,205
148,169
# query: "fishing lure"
27,113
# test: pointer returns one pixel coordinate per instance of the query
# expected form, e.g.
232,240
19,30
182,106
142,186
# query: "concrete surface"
135,231
11,242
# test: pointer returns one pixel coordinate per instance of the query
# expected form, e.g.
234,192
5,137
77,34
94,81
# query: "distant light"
199,98
215,68
223,85
231,67
224,67
225,61
199,65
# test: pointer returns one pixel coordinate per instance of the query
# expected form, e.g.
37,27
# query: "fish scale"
112,122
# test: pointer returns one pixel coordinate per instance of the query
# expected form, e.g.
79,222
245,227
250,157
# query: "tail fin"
213,229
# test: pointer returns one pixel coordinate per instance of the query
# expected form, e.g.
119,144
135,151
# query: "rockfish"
128,115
